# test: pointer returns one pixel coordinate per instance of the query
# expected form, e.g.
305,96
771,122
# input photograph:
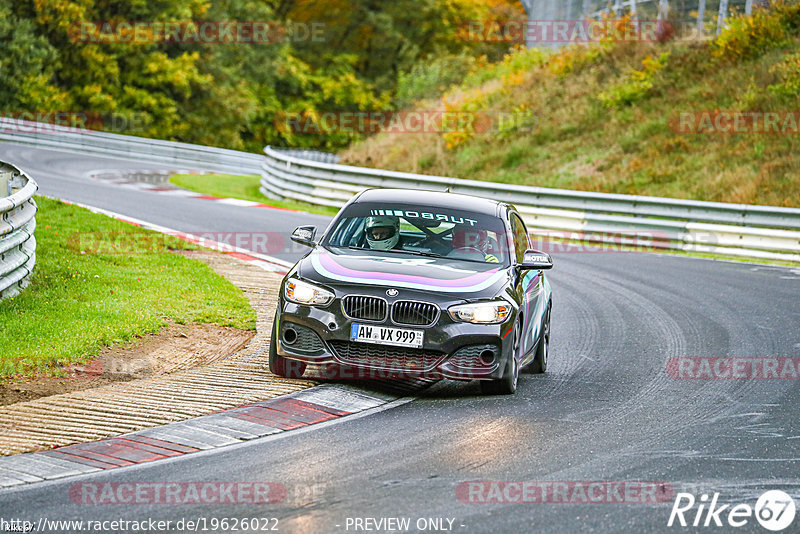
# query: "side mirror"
536,259
305,235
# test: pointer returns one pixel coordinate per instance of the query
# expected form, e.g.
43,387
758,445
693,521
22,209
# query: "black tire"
539,363
508,384
280,366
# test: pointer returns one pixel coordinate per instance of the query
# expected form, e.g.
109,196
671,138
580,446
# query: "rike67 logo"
774,510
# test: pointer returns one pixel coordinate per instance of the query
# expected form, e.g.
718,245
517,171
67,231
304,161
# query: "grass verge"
98,282
241,187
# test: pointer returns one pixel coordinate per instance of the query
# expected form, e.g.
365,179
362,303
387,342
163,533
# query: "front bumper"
452,350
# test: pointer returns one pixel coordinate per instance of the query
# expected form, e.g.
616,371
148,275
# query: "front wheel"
280,366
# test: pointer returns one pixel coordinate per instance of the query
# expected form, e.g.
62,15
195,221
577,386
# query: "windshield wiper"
414,252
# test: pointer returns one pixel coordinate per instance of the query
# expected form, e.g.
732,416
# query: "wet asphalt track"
606,409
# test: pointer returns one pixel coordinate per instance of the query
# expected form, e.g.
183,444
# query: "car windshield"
421,230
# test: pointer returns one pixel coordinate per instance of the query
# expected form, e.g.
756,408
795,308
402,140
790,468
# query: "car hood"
367,267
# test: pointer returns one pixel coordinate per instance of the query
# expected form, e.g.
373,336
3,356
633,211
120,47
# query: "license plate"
383,335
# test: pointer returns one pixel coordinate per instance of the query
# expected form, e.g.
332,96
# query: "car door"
528,286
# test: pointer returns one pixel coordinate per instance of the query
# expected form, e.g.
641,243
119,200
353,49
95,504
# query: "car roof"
437,199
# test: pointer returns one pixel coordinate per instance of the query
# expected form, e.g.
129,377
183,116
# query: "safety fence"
698,16
315,177
17,225
704,227
139,149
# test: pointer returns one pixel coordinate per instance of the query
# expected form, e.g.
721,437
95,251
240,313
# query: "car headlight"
481,312
305,293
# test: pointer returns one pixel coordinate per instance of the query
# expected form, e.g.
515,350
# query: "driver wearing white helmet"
383,232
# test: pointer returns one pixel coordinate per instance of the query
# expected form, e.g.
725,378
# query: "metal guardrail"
315,177
140,149
309,155
17,225
706,227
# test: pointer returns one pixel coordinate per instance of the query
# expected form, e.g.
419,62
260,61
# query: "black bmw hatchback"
409,284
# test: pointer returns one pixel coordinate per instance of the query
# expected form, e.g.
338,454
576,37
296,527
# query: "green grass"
241,187
629,143
85,293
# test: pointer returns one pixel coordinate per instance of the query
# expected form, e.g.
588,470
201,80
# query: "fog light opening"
289,336
487,357
331,326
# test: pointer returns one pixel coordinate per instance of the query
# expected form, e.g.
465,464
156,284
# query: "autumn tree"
230,94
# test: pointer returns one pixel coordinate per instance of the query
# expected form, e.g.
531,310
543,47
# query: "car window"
349,232
422,230
521,240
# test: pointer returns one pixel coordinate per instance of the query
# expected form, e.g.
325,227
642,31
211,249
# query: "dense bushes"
748,36
232,94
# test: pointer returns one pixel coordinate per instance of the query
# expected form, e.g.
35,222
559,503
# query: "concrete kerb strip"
87,415
295,411
228,427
